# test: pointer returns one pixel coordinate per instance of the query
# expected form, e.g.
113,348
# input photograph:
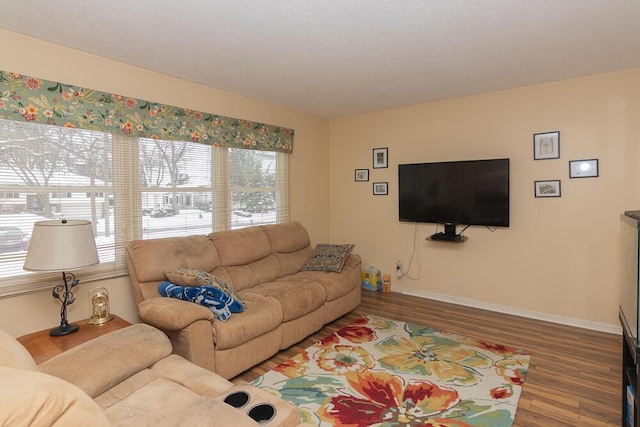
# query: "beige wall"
309,194
559,258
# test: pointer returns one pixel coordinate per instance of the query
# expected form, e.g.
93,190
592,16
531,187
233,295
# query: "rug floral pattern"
380,372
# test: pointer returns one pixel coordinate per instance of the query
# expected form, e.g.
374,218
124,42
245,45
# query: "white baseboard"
596,326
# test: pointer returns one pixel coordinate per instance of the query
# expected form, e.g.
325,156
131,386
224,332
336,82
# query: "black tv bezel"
505,224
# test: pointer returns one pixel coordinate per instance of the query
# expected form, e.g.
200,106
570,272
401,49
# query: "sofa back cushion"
245,256
293,262
149,259
241,247
287,237
255,255
290,244
251,274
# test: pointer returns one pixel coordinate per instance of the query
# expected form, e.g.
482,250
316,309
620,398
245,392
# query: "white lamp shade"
61,245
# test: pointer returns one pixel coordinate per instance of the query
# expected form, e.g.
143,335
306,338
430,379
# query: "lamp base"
63,329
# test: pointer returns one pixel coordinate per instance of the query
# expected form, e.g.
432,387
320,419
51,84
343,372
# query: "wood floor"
574,377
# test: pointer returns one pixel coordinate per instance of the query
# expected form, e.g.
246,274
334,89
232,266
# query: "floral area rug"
380,372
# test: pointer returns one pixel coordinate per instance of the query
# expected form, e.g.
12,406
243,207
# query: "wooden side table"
43,347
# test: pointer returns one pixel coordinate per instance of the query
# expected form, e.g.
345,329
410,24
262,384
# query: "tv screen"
469,192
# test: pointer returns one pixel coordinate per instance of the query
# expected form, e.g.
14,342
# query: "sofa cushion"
151,258
287,237
192,376
205,410
193,277
248,275
292,262
239,247
125,388
297,296
328,257
152,404
261,315
336,285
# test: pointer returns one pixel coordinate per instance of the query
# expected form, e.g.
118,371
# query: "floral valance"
25,98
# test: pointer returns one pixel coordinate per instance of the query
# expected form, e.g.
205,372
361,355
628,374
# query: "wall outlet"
399,268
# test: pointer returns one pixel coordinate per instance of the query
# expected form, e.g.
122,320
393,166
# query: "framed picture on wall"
546,145
362,174
583,168
380,188
380,158
548,188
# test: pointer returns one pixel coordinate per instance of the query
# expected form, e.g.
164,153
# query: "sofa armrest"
36,399
170,314
354,261
97,365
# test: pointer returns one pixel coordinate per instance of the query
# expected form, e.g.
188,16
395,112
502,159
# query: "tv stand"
449,234
444,237
630,375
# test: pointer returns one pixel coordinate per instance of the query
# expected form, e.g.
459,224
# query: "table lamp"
62,245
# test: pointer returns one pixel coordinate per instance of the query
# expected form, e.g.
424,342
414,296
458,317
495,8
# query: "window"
176,188
130,188
190,188
257,185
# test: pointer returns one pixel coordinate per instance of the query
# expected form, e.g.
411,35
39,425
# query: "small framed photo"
549,188
546,145
583,168
380,188
380,158
362,175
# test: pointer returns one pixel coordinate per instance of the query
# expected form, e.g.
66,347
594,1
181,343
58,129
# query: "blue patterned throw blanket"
220,303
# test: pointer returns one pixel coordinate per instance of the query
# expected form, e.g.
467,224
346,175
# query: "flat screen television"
467,192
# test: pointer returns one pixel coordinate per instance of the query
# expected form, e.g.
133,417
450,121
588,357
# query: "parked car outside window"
12,239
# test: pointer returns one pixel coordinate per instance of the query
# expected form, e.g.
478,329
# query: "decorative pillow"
193,277
328,257
219,302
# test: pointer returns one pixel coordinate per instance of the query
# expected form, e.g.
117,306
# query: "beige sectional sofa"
265,266
127,378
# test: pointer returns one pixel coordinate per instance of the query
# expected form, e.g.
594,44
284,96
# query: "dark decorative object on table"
65,296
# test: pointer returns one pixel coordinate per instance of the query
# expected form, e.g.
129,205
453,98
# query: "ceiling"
335,58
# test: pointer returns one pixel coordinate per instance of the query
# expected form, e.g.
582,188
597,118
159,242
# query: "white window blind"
129,188
258,183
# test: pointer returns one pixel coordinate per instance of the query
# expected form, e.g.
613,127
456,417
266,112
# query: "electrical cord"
413,253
